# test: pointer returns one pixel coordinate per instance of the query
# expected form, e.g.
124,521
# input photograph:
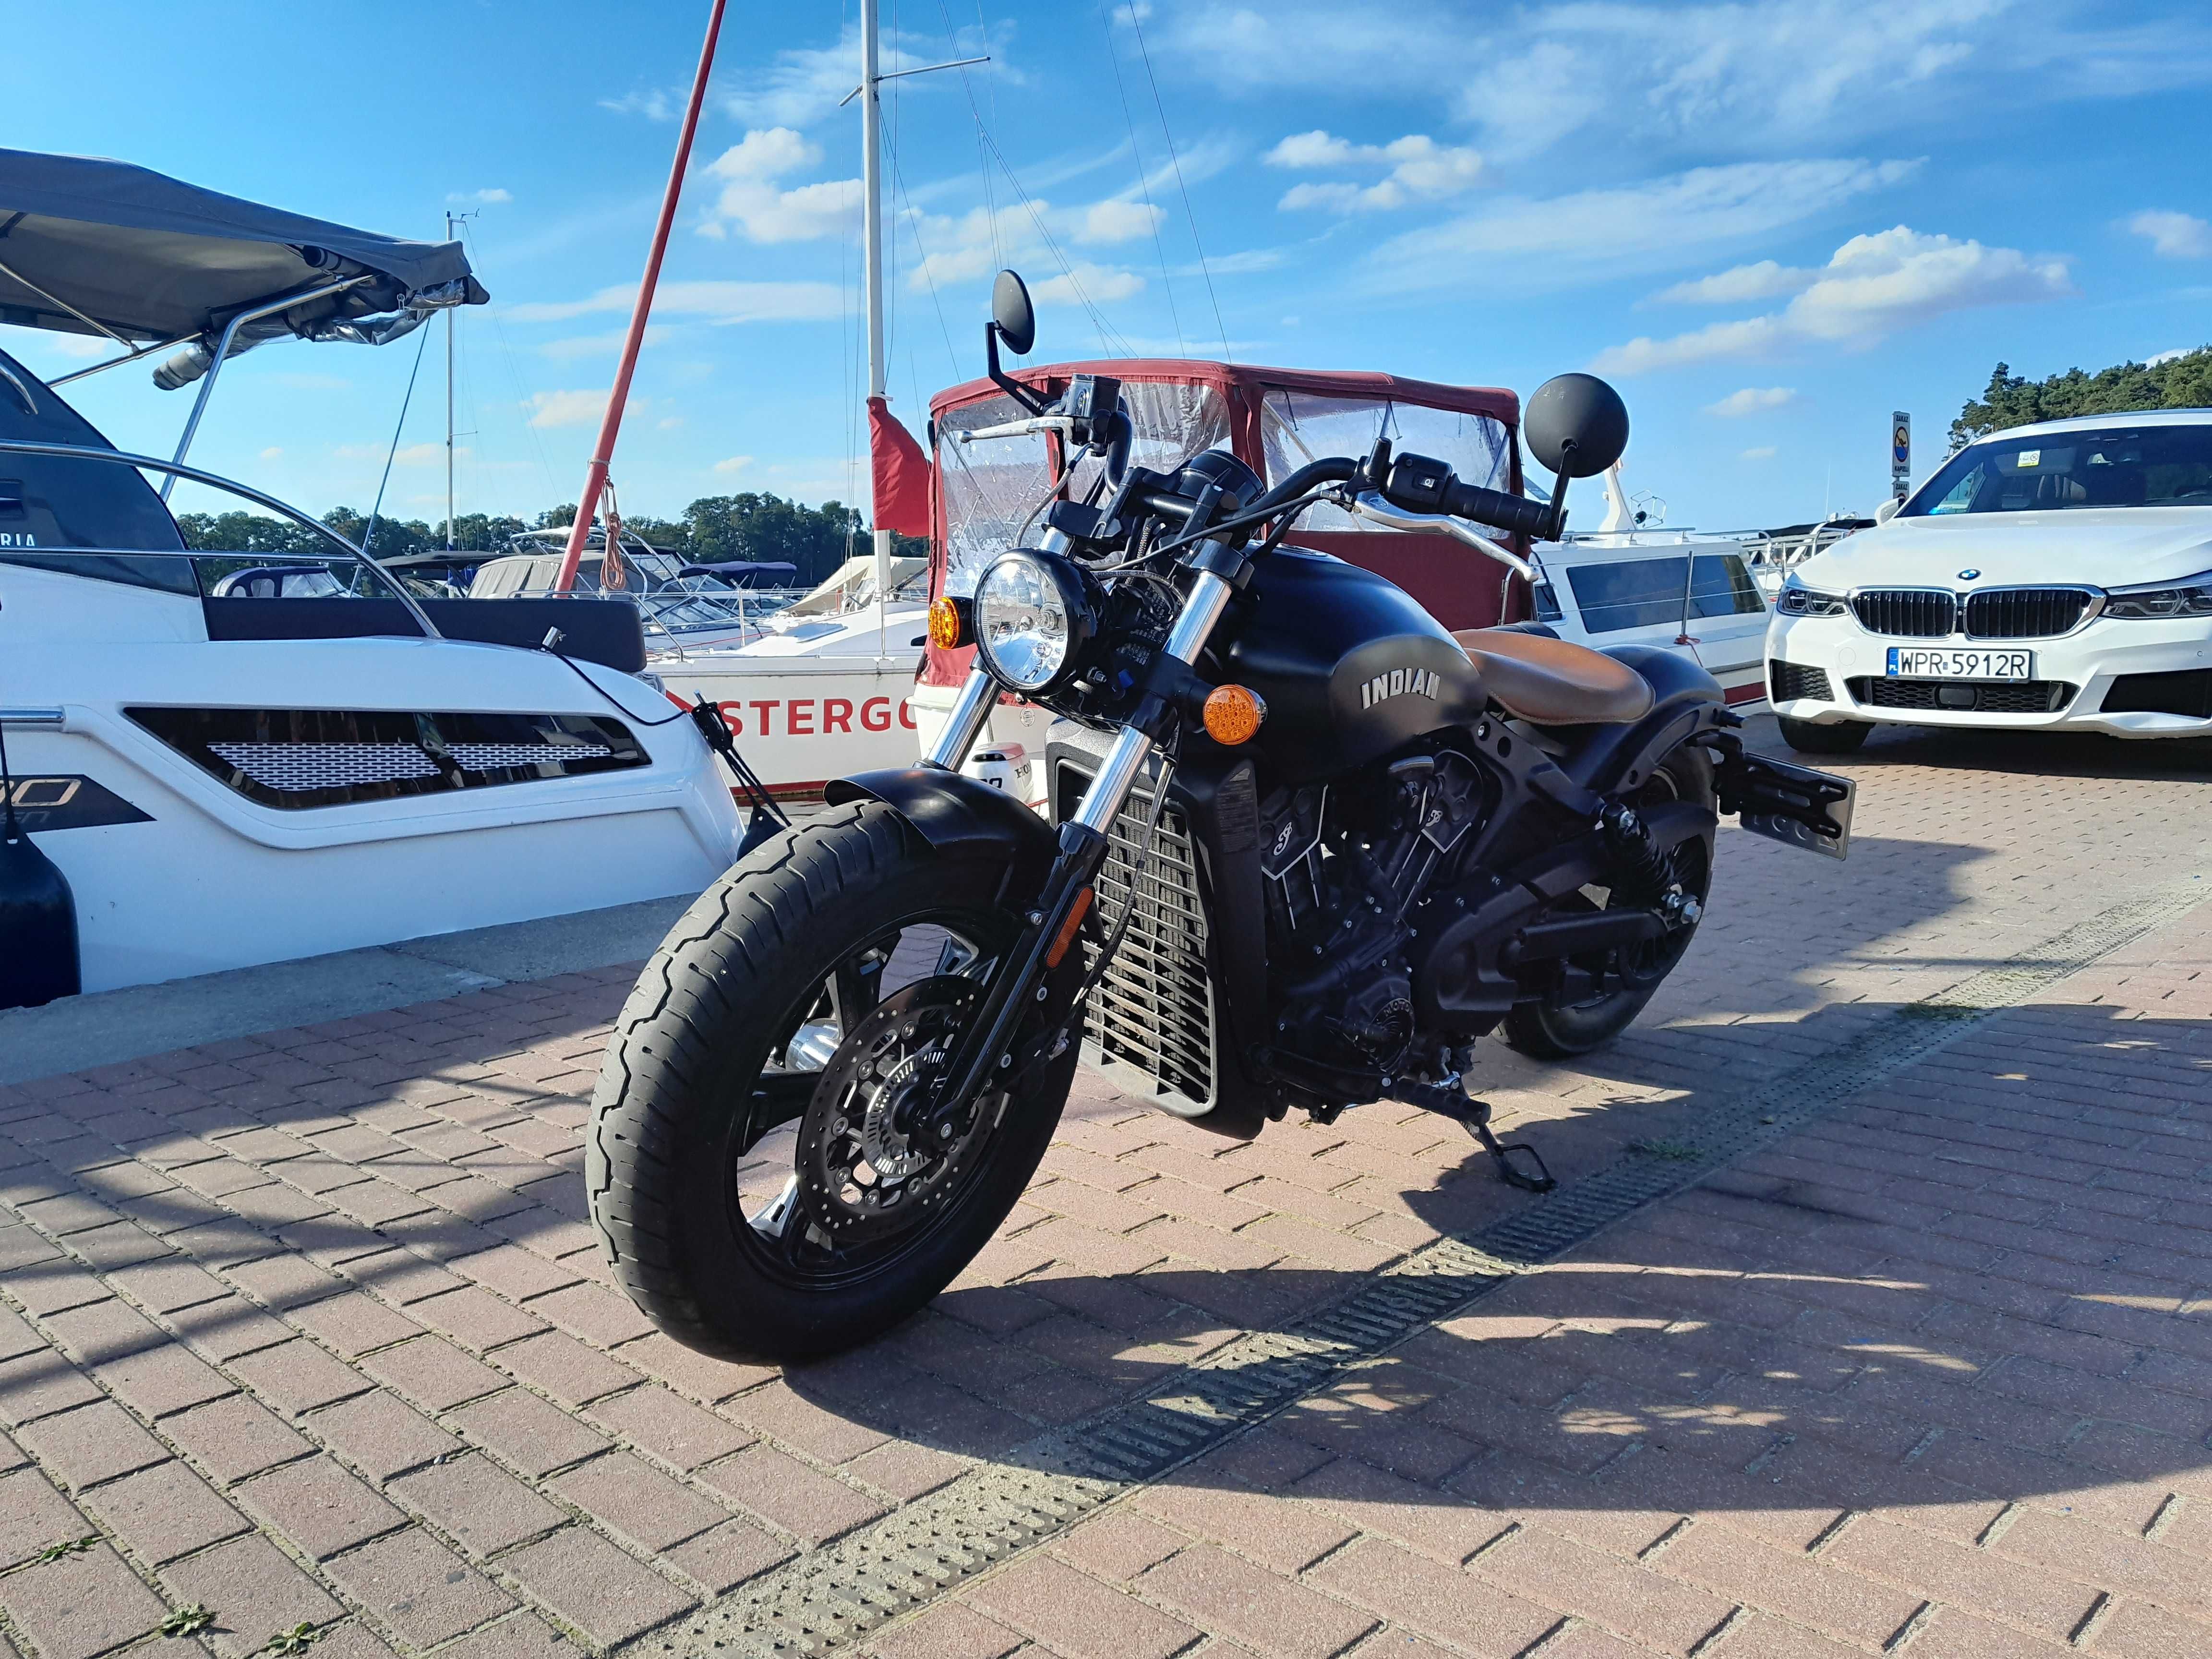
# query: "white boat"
684,605
231,767
1635,582
824,692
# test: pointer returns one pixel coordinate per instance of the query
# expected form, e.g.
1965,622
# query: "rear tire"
722,1006
1807,738
1560,1032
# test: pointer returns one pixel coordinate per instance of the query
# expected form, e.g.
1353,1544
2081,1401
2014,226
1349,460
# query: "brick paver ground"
307,1327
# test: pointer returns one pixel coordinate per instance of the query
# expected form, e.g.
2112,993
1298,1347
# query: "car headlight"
1797,601
2189,597
1033,614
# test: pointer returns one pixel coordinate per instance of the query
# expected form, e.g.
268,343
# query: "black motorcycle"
1309,847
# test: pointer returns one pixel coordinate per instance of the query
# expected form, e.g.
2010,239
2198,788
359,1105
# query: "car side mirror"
1888,510
1013,319
1576,425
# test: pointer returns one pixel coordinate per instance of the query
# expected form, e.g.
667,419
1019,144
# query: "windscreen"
993,486
1298,427
51,501
2119,466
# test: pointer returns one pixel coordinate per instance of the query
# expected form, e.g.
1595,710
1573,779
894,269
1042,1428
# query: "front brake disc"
875,1157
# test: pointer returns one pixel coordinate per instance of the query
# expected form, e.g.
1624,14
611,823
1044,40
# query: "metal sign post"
1900,455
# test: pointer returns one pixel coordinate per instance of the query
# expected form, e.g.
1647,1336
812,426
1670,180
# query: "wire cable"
1137,26
391,455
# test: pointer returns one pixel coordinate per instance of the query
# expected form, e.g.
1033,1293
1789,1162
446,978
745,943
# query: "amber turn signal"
946,632
1233,714
1069,928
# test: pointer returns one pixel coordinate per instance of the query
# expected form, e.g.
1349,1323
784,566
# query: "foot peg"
1449,1098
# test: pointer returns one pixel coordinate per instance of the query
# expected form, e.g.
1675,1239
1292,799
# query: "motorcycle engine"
1345,864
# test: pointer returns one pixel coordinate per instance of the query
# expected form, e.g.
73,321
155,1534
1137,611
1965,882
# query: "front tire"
1843,737
707,1100
1547,1030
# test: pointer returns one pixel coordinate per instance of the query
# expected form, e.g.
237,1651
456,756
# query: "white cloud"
1420,170
487,197
806,84
668,422
274,452
74,345
1605,234
755,203
1764,452
1752,400
1873,286
2174,235
591,345
552,409
1116,220
2172,356
1096,284
420,454
717,302
734,464
1754,77
1763,281
655,103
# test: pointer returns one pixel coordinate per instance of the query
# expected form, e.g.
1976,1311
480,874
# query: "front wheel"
1558,1029
771,1176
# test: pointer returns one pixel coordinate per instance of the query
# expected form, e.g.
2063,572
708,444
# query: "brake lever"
1063,424
1368,505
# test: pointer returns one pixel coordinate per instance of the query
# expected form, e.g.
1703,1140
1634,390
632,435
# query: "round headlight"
1031,617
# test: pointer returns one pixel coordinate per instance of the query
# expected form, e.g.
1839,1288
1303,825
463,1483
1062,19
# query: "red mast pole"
595,477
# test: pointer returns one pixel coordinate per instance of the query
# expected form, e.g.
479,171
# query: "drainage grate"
823,1601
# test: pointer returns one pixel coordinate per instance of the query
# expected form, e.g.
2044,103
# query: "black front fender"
960,817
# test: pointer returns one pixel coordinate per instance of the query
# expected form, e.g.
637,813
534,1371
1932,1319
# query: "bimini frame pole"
595,476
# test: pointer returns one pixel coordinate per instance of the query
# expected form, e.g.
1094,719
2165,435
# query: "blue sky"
1772,221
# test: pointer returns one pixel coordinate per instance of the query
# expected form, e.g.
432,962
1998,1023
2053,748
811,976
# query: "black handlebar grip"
1515,514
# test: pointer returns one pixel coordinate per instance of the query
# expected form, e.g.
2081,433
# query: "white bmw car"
2056,577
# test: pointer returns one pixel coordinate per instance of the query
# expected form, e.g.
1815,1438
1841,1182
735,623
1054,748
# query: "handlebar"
1420,484
1376,510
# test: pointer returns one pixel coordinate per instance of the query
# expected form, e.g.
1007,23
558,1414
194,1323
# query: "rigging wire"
1137,26
369,535
546,480
1144,182
1075,283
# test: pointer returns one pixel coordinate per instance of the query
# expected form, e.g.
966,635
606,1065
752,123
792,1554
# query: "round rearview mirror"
1576,425
1012,313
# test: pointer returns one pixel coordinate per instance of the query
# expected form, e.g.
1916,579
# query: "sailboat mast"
871,239
450,310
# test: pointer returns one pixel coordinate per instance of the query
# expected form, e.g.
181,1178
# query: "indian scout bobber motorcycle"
1309,847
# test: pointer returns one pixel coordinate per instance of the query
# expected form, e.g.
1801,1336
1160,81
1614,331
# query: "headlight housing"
1033,616
2189,597
1801,601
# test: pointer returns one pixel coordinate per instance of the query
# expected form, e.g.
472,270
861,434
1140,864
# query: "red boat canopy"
1276,420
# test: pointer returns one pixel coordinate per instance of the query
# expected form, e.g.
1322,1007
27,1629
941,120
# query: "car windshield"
2112,467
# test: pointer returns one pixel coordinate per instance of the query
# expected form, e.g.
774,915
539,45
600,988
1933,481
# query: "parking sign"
1900,455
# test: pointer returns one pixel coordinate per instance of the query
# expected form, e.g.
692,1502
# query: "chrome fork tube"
1117,774
965,724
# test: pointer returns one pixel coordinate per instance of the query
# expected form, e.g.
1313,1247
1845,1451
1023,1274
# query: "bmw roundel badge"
1968,576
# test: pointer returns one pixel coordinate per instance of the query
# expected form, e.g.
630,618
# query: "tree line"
2011,399
749,528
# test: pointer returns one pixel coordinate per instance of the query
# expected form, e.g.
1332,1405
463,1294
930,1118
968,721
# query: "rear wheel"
1807,738
1557,1030
770,1176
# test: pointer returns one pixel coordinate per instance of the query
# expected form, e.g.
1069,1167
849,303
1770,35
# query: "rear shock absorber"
1646,872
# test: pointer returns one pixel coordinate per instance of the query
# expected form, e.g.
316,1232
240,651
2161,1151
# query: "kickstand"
1478,1122
1451,1099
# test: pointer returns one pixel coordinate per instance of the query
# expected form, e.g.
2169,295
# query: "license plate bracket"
1793,804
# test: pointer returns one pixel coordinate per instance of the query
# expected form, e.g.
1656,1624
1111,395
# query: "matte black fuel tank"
1350,665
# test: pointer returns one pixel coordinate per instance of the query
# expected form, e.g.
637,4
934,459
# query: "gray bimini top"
107,248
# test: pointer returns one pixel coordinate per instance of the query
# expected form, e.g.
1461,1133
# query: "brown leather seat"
1554,682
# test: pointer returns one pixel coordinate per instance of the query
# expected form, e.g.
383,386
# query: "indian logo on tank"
1400,682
